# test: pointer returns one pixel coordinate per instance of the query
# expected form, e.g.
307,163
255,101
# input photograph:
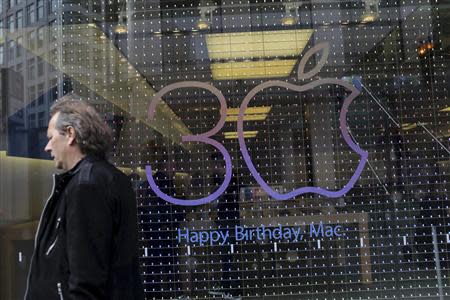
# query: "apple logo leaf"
325,48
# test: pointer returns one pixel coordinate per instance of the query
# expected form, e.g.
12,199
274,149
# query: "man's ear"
71,134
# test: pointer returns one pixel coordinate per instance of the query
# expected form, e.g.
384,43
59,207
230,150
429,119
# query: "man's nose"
47,147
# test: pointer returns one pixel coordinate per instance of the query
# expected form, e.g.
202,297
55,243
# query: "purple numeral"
203,138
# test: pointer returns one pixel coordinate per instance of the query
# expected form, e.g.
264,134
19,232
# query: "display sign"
206,137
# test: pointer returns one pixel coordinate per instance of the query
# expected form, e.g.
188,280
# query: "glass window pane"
31,37
41,37
31,72
10,22
19,19
19,47
326,176
31,14
2,53
53,5
11,48
40,9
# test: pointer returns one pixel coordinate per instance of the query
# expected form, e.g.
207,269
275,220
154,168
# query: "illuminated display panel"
329,175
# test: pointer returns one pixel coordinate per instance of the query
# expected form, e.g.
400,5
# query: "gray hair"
92,134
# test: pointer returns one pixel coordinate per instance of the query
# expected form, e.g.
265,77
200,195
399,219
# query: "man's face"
58,144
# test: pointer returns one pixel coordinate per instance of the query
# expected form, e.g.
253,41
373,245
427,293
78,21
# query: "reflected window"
19,67
294,134
11,46
41,119
40,37
32,121
19,19
31,70
53,5
19,47
10,22
53,59
52,33
40,67
31,14
10,3
31,37
40,93
31,94
54,89
40,9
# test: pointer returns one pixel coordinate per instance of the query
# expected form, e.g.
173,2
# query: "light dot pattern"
399,62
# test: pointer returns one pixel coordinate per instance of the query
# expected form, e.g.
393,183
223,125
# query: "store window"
317,153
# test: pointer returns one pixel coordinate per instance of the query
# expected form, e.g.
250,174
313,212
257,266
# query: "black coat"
86,244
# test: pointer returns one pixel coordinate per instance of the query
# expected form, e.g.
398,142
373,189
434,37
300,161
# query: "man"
86,242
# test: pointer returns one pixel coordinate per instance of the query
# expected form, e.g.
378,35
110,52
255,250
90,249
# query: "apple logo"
324,47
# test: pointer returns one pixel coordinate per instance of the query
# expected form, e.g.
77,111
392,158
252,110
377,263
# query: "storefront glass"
278,149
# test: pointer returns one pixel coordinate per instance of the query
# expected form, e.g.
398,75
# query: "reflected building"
392,56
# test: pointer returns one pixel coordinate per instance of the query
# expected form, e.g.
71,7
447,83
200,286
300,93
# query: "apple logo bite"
324,47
